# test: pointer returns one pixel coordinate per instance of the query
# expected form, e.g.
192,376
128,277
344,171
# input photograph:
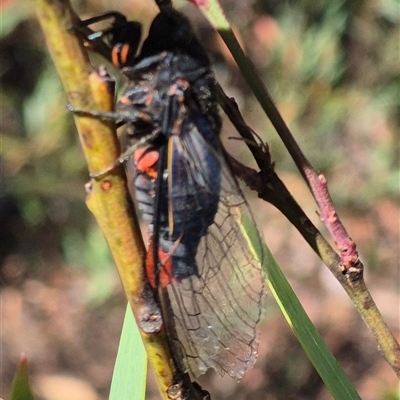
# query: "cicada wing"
215,312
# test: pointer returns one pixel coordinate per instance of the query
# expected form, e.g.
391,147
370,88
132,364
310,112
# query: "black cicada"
198,257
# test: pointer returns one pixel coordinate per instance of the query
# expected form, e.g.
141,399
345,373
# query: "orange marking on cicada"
124,53
150,272
183,83
125,100
115,55
145,159
165,272
120,54
149,99
172,90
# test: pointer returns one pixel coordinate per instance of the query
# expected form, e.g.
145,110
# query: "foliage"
20,388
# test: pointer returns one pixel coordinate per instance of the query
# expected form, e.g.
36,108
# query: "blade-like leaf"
21,389
130,370
313,345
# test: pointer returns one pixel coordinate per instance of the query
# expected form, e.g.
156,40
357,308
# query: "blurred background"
333,71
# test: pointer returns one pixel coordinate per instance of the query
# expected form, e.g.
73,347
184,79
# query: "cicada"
199,259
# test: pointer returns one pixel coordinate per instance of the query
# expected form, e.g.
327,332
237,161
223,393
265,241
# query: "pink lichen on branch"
348,251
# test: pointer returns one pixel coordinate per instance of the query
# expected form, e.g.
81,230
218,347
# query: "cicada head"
124,37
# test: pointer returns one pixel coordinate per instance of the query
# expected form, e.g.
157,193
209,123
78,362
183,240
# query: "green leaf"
313,345
130,370
21,389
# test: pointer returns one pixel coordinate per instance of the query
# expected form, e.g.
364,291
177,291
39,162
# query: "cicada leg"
120,120
126,155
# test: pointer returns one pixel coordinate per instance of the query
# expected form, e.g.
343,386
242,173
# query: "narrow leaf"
313,345
21,389
130,370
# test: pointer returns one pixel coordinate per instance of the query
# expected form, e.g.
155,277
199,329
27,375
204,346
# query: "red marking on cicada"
119,54
149,99
115,55
163,276
172,90
124,53
178,88
125,100
145,160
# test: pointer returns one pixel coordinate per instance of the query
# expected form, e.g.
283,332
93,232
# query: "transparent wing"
215,313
